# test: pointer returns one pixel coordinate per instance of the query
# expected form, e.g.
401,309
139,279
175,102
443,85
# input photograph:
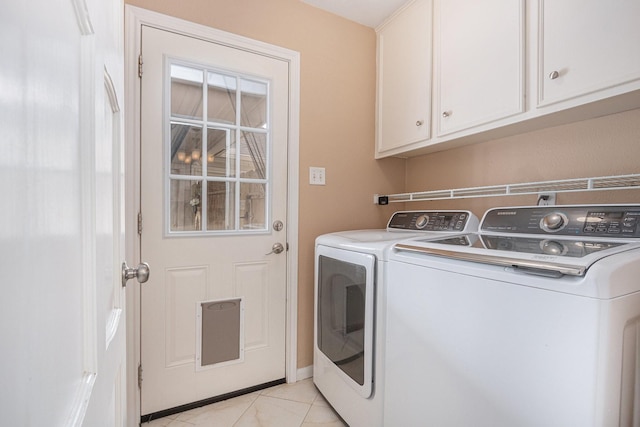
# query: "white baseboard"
304,373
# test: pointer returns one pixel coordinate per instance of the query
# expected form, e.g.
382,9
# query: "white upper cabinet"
479,50
586,46
501,67
403,109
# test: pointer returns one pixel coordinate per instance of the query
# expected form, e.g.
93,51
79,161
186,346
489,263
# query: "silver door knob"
446,114
554,75
141,272
276,249
419,122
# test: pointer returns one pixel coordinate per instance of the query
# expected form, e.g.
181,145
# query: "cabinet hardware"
554,75
419,122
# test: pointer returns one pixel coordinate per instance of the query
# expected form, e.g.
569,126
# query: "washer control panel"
433,221
613,221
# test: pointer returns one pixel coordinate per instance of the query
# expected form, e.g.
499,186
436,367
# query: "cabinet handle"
446,114
419,122
554,75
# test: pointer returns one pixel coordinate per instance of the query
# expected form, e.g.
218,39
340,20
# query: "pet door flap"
220,334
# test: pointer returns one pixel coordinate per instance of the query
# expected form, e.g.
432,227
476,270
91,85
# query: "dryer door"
344,314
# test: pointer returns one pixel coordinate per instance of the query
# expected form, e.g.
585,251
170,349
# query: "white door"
479,74
575,58
404,78
61,237
213,183
107,404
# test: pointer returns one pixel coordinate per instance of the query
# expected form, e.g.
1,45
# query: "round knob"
446,114
553,221
419,122
554,75
550,247
141,272
422,221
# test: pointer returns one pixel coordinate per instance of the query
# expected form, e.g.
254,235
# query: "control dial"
549,247
422,221
553,222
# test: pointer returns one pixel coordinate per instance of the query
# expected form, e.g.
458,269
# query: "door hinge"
140,223
140,375
140,65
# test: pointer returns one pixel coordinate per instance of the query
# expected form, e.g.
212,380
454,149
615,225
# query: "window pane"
186,149
252,206
223,142
185,204
186,92
221,205
221,98
253,104
253,159
221,161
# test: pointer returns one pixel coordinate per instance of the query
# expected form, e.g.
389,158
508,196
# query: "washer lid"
532,254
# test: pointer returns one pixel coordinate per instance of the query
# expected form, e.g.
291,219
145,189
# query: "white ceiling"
367,12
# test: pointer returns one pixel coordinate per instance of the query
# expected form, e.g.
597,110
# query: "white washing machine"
349,309
533,321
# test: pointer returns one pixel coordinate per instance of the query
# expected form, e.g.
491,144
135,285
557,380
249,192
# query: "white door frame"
135,18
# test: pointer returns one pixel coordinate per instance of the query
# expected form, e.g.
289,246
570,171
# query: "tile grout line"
245,411
307,413
235,423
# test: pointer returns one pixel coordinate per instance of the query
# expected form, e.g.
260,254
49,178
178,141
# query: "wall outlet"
546,199
316,176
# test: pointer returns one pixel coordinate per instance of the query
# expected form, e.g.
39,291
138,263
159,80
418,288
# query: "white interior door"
213,183
60,226
107,403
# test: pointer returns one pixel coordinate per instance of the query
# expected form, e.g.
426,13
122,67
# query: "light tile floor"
287,405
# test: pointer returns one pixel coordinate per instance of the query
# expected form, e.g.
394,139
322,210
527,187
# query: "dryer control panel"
612,221
453,221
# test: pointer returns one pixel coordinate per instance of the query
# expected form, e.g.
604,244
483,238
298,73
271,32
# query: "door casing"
135,18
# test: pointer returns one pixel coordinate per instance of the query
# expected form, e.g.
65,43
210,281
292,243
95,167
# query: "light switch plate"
316,176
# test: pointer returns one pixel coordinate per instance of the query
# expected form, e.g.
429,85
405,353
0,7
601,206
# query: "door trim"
135,18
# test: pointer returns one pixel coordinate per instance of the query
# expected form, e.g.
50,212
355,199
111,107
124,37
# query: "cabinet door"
586,46
404,78
479,62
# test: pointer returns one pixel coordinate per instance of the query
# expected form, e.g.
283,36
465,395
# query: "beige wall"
336,119
337,132
604,146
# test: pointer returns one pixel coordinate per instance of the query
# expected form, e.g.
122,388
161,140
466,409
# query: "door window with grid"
217,146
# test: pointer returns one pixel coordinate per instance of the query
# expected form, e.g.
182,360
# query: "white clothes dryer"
533,321
349,325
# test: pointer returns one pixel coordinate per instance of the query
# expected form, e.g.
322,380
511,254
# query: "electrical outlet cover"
316,176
